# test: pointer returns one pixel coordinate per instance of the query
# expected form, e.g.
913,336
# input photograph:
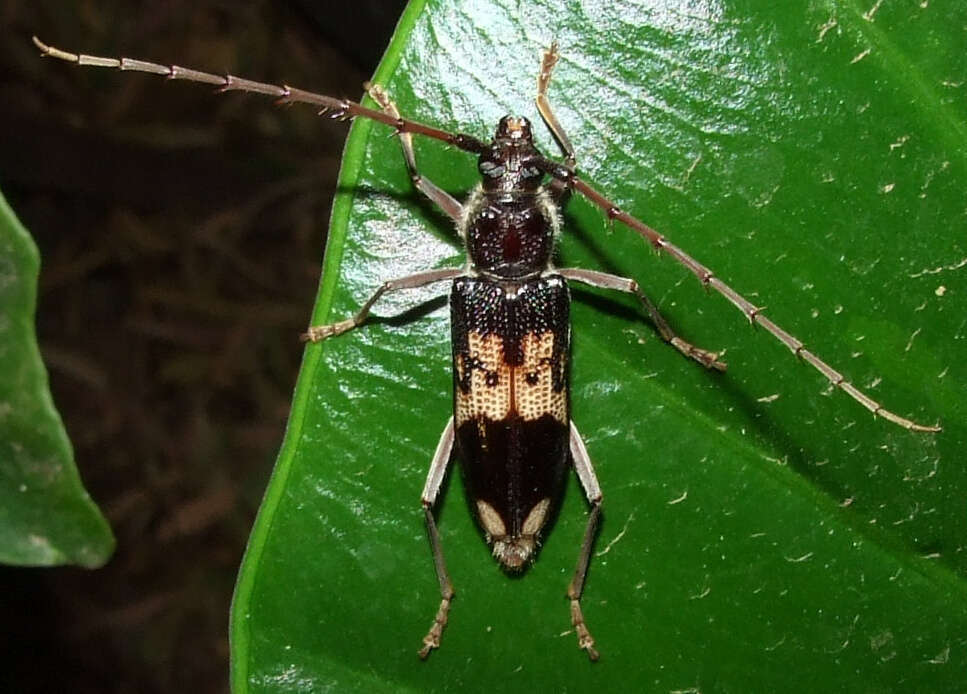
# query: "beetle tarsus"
432,638
318,333
585,640
710,360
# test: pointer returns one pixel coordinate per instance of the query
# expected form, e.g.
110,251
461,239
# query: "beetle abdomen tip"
514,553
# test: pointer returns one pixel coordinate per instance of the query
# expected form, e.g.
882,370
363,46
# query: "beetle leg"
754,314
446,202
622,284
434,479
317,333
589,482
557,187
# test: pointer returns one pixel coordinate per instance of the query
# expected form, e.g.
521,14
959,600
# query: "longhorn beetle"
509,309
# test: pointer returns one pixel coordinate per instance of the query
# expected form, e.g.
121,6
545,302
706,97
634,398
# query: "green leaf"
46,517
760,533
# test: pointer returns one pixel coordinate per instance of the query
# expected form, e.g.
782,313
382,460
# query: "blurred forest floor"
181,237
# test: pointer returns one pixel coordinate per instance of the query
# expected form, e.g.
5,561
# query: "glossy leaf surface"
760,533
46,516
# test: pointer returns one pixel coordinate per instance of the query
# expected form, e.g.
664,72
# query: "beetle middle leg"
600,279
317,333
622,284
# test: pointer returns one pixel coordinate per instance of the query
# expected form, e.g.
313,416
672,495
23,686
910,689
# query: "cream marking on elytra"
535,519
491,520
534,394
490,381
498,389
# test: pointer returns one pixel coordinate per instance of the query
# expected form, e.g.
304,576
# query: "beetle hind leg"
434,480
432,638
589,482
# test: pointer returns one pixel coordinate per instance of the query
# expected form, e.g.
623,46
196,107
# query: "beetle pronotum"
511,426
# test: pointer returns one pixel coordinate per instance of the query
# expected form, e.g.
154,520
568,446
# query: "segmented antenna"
284,94
346,109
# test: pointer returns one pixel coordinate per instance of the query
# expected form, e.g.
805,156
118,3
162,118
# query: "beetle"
511,427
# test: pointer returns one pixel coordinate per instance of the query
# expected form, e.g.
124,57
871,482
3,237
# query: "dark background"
181,237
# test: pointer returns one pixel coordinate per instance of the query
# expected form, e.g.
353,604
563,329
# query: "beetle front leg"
589,482
446,202
317,333
434,479
557,187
